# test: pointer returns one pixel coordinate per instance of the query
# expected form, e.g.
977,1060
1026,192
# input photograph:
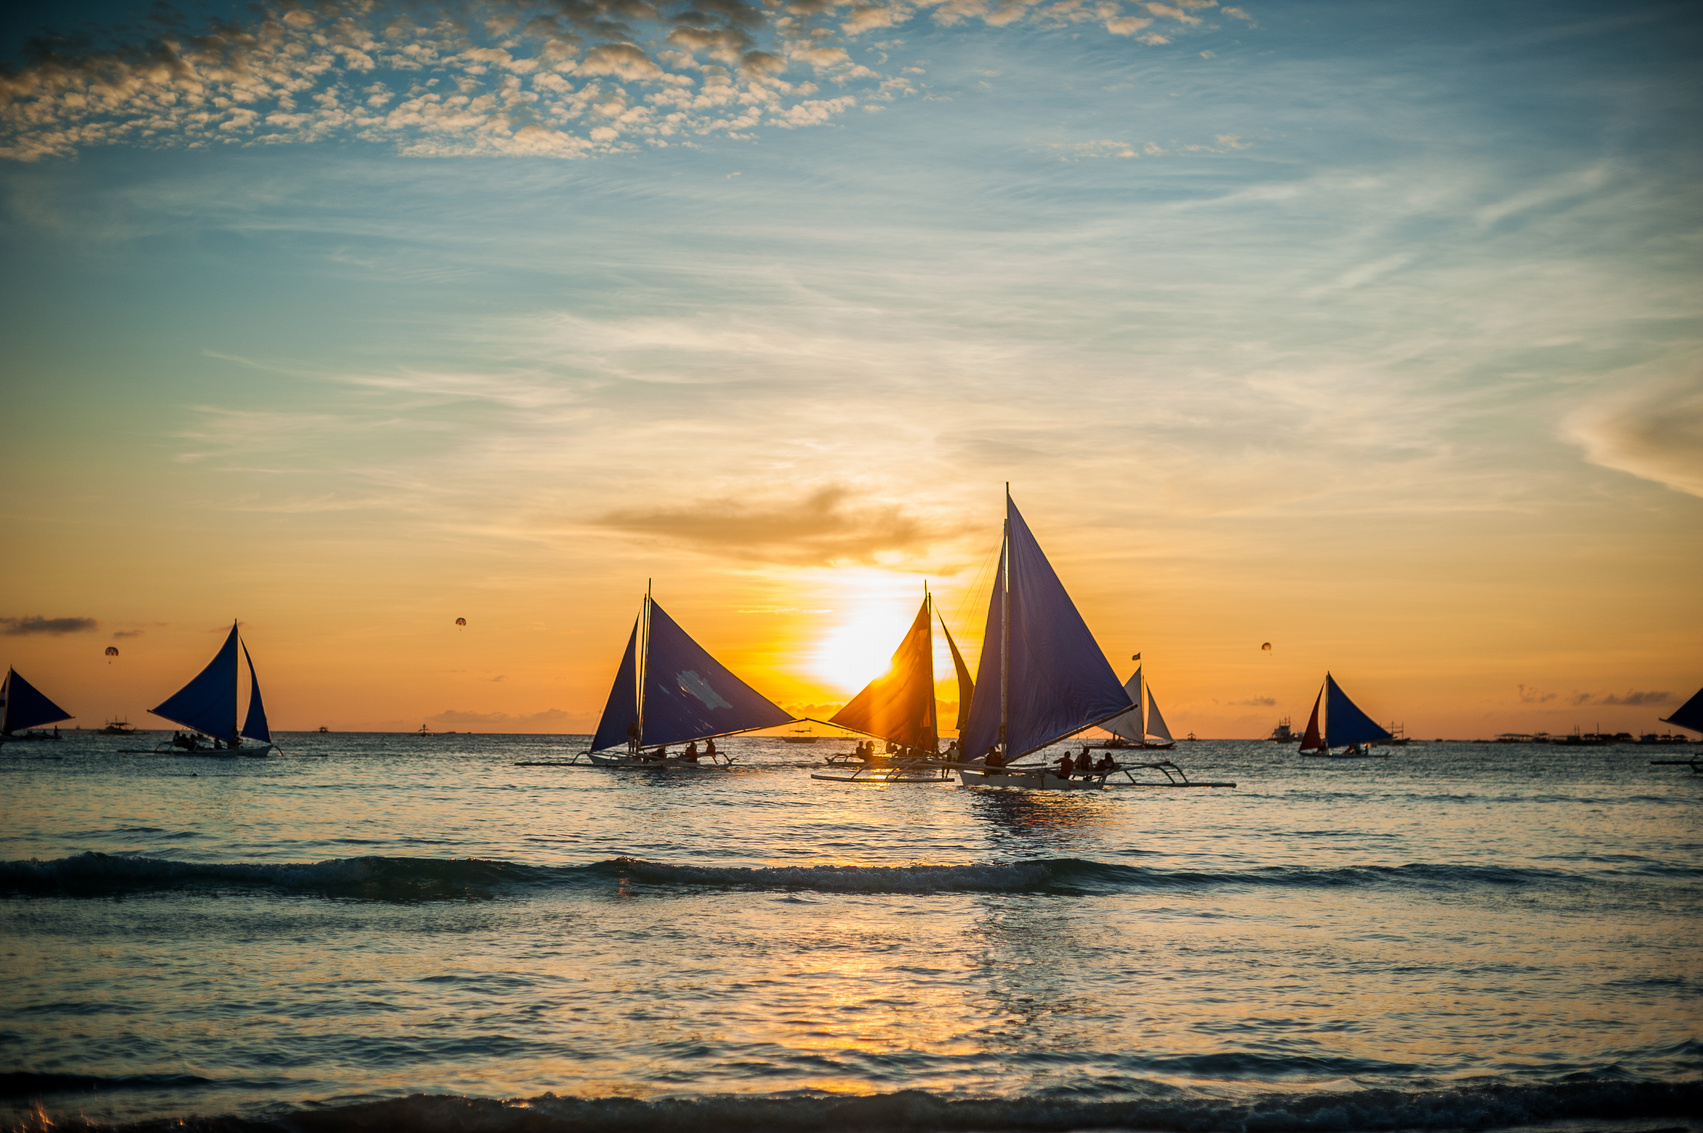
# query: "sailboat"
23,706
1688,716
669,690
1041,677
1142,726
899,707
207,706
1343,724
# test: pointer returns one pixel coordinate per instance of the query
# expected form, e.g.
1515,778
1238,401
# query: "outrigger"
1052,678
898,707
1690,716
668,690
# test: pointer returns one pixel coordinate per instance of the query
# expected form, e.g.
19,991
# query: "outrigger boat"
1142,726
1688,716
22,707
1052,679
1343,724
668,690
207,706
898,707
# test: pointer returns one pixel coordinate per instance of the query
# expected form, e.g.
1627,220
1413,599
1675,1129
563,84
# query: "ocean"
389,931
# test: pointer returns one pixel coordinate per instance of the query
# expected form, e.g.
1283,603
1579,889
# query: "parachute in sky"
460,621
1266,646
112,651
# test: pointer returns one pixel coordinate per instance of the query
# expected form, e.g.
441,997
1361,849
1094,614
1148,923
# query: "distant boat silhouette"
1142,726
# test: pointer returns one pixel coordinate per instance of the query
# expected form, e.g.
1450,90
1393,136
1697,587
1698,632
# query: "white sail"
1128,725
1155,722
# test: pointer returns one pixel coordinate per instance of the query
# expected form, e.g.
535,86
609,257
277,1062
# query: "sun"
859,649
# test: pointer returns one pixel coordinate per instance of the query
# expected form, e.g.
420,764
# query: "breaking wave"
1470,1108
418,879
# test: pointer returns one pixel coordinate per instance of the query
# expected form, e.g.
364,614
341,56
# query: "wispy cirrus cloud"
578,78
1653,430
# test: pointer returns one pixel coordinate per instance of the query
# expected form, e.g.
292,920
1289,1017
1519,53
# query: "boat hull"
652,764
1036,780
258,751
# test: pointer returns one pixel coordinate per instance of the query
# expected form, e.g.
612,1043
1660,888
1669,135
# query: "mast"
236,686
6,704
1005,630
644,655
1324,721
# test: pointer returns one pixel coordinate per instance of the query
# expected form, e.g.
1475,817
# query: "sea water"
407,932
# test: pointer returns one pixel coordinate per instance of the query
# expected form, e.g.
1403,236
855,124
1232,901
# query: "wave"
1479,1107
419,879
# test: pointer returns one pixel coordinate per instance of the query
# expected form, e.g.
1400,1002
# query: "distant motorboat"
1341,725
207,706
117,727
801,735
23,706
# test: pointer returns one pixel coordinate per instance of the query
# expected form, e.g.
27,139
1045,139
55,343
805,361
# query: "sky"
1370,330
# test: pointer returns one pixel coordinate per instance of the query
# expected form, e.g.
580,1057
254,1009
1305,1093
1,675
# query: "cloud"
549,720
1635,698
1653,430
1533,696
1258,702
127,633
825,526
576,79
24,627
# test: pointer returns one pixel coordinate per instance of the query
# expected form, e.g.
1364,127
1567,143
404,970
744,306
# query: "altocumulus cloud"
574,78
827,525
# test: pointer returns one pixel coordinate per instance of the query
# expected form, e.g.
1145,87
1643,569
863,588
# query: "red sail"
899,704
1312,741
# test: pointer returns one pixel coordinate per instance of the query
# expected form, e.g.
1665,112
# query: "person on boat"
709,749
690,755
1066,766
1107,764
994,757
633,738
661,752
952,752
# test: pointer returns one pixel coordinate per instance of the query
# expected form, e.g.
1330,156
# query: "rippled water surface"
1458,936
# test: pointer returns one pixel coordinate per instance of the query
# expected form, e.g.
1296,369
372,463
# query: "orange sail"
966,686
899,704
1313,741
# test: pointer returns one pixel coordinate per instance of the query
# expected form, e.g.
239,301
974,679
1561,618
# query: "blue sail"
1060,681
24,706
621,710
1344,722
1690,714
208,703
689,695
254,724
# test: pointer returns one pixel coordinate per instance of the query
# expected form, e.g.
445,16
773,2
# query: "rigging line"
971,600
